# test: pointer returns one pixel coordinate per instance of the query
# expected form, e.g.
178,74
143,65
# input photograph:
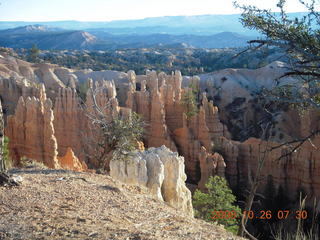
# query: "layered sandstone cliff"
202,139
292,168
69,123
31,131
159,100
32,134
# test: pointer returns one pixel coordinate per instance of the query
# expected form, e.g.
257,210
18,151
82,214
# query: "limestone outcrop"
299,170
31,131
69,123
11,89
204,142
160,170
236,92
71,162
159,100
32,134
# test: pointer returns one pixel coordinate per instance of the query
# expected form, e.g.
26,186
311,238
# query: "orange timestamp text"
263,214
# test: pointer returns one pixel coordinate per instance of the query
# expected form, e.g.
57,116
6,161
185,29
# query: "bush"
30,163
218,198
113,137
189,101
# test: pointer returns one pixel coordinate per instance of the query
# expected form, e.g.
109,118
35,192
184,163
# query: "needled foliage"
218,198
299,38
190,102
34,54
114,137
124,134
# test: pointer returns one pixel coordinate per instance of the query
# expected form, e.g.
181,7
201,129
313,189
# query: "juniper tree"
299,38
111,136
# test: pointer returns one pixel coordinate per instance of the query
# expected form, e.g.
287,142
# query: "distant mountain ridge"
59,39
46,38
202,31
36,28
175,25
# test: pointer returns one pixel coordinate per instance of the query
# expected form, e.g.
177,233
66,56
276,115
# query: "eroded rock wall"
31,132
297,170
159,100
69,123
160,170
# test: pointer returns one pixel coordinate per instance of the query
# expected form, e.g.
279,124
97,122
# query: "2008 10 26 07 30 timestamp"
263,214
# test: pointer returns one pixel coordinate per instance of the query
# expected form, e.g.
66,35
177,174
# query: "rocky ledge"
60,204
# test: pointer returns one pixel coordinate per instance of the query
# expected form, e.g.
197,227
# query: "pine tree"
299,38
34,54
218,204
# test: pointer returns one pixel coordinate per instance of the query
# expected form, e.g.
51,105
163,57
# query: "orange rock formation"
71,162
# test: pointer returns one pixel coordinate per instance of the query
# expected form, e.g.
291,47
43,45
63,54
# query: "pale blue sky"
106,10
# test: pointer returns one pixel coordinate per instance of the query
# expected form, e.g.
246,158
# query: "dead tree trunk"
5,179
2,163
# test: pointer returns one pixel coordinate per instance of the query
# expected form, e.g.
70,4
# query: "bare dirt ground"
54,204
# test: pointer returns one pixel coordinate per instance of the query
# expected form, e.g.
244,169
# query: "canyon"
46,111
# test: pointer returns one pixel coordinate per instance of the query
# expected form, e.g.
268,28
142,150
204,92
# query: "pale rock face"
66,76
174,190
46,73
130,171
12,89
155,170
206,167
159,169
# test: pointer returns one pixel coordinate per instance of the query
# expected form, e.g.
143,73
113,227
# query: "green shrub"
189,101
218,198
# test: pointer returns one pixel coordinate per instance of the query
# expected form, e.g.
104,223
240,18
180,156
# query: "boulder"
161,171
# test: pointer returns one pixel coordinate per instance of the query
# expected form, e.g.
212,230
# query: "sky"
107,10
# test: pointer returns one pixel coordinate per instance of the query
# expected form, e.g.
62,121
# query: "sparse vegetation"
30,163
218,204
34,54
190,61
190,101
112,137
298,38
6,153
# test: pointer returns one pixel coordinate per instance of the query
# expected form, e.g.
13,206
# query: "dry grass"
66,205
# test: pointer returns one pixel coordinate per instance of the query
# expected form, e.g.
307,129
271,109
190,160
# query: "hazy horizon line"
132,19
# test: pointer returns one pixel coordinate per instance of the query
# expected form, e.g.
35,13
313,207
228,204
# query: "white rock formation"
130,171
161,171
